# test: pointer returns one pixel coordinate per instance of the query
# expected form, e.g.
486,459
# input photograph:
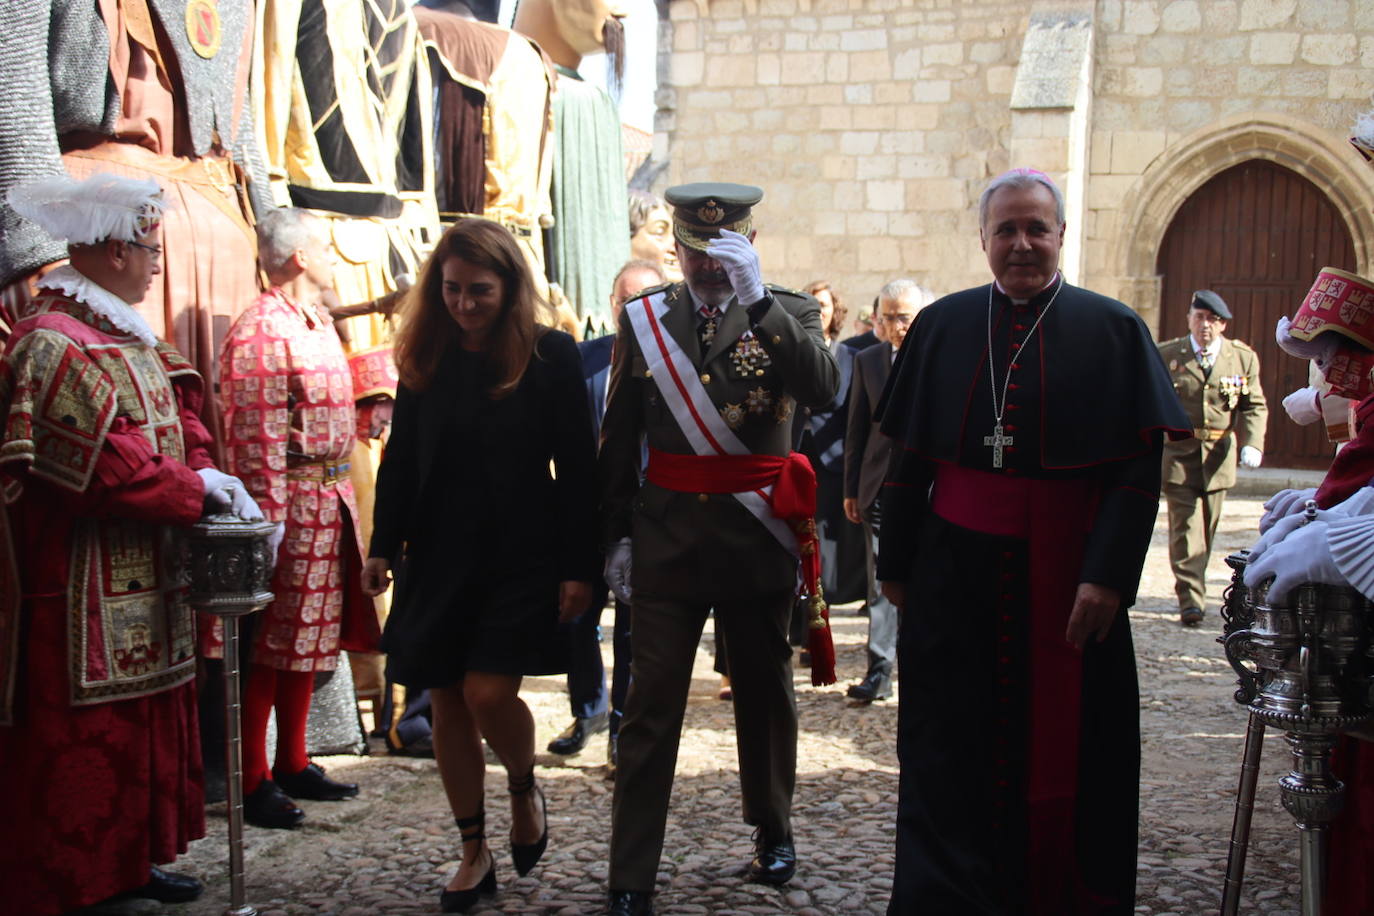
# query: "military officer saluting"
1217,379
710,371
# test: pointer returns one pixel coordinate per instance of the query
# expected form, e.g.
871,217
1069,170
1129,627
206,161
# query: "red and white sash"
691,407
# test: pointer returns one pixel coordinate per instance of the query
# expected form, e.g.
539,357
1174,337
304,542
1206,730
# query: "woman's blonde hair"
428,331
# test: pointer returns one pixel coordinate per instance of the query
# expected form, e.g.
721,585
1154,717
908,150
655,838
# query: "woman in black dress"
491,550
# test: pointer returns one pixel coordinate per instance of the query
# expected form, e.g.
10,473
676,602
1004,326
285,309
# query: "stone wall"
873,125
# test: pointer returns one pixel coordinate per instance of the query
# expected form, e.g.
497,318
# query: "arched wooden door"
1257,233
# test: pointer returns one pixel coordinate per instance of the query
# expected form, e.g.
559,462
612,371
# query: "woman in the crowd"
490,549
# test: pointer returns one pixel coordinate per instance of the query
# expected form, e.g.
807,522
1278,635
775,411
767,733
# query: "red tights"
289,692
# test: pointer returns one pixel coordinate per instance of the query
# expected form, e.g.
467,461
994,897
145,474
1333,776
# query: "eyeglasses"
155,249
898,319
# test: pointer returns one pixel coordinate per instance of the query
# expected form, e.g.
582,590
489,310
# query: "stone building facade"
874,124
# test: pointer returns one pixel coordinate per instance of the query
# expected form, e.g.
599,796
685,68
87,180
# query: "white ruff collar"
67,279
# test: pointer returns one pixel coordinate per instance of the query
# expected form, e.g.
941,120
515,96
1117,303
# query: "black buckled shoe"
575,736
268,806
774,862
168,887
311,783
1190,616
874,686
630,903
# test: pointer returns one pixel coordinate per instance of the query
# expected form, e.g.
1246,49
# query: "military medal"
760,401
783,410
999,440
733,415
748,357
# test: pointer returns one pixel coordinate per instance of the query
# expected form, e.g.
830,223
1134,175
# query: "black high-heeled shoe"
527,856
460,901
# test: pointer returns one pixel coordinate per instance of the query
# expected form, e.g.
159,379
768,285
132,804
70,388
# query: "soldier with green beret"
1217,380
710,371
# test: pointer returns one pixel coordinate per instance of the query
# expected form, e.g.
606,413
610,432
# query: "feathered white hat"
102,207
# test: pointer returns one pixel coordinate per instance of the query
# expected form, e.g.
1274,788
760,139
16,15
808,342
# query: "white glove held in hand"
226,493
1250,457
274,542
617,569
741,263
1302,406
1282,504
1302,555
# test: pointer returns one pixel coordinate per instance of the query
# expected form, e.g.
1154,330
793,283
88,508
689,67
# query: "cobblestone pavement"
392,849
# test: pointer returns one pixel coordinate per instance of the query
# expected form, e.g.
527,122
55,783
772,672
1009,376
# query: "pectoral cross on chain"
996,441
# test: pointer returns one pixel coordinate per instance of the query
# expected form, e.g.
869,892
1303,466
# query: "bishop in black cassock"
1030,428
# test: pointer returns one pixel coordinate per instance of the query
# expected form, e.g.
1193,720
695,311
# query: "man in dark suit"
867,453
586,672
710,371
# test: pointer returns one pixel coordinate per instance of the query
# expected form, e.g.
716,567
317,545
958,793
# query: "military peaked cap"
702,209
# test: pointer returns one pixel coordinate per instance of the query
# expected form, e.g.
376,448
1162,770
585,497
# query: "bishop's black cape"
1087,404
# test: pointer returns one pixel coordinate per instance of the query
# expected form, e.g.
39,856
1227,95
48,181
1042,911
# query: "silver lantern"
1311,677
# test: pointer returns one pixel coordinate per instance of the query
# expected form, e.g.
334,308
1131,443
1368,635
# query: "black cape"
938,401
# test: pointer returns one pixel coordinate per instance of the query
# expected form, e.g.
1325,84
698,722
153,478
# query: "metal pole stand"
233,759
1314,797
1311,679
229,568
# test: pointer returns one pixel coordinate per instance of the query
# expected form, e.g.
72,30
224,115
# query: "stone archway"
1318,155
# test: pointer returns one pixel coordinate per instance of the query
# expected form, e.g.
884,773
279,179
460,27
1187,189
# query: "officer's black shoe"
311,783
1190,616
874,686
630,903
774,862
267,806
422,746
575,736
168,887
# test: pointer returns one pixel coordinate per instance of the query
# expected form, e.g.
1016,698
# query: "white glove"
1250,457
1302,555
226,493
1282,504
1303,406
617,569
274,542
741,262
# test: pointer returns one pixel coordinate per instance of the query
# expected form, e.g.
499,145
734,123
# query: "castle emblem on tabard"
711,213
203,28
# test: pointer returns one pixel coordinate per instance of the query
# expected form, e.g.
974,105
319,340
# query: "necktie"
708,316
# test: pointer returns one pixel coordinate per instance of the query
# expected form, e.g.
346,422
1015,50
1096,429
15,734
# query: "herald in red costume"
98,735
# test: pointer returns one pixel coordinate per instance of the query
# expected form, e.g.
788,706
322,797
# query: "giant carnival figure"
345,125
493,95
149,89
589,206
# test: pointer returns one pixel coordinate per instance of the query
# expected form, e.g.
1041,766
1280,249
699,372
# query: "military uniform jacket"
1225,407
690,544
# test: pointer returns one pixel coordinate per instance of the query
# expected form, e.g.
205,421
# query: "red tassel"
821,645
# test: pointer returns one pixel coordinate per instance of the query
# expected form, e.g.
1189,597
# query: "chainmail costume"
53,69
